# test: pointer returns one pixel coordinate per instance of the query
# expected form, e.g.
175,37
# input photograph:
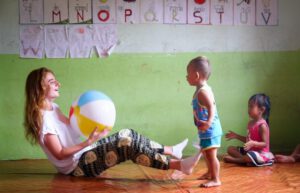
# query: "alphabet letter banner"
152,11
128,11
31,41
80,11
175,12
80,41
56,11
244,12
198,12
104,11
222,12
56,41
31,11
266,12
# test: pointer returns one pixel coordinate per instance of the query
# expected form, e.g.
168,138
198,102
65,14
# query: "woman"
45,124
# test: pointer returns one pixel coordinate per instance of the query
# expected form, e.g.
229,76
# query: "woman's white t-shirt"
67,137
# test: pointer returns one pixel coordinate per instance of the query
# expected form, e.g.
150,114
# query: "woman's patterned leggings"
119,147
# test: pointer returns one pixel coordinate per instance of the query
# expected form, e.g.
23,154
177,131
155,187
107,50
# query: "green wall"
152,96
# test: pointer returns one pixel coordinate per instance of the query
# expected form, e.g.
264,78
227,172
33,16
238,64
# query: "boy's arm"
207,101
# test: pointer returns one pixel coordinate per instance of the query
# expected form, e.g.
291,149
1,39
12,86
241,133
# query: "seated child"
256,150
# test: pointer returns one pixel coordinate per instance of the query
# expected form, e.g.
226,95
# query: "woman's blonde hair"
35,95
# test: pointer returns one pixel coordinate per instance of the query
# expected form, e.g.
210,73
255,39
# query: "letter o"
105,13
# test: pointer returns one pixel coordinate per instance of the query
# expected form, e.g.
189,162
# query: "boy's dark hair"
201,64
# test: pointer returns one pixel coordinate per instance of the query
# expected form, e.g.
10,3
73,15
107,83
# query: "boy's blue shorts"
214,142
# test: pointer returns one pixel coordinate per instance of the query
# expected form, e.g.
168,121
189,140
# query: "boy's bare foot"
209,184
284,159
205,176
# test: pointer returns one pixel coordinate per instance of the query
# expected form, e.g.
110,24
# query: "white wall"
162,38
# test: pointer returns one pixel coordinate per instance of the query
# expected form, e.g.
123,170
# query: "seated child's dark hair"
262,100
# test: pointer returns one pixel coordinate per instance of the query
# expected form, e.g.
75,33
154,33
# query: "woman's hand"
96,135
231,135
104,133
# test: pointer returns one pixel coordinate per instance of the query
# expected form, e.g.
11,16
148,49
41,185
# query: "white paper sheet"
31,11
56,41
104,39
198,13
266,12
31,41
244,12
221,12
128,12
152,11
80,41
175,11
104,11
80,11
56,11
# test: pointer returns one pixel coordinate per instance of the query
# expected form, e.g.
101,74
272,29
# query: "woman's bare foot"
187,165
205,176
284,159
211,183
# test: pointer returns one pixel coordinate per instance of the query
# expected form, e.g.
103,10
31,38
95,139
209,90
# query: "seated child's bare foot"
211,183
205,176
284,159
227,158
297,157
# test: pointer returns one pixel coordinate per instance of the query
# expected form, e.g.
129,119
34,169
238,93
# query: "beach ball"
92,109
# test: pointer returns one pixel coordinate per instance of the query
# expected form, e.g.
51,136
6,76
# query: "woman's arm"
63,118
54,146
58,151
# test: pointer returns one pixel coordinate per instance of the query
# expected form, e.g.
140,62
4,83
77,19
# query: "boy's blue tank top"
202,114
